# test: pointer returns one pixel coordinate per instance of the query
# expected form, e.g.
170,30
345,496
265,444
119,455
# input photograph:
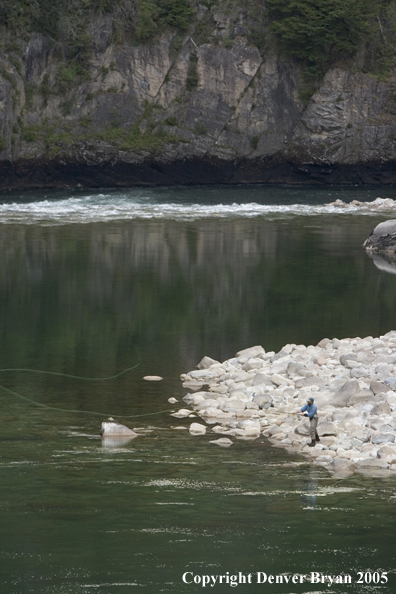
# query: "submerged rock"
153,378
222,441
182,413
116,441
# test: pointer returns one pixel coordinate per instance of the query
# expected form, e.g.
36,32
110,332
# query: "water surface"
95,283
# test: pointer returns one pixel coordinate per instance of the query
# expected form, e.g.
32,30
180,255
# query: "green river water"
93,284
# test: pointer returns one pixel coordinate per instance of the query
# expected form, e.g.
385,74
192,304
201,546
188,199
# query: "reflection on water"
385,263
185,289
91,300
115,442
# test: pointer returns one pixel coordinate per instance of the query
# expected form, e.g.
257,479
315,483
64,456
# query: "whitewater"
90,207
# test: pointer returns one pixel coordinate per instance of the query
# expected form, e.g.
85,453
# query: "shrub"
200,129
146,26
254,142
66,106
176,13
320,31
153,15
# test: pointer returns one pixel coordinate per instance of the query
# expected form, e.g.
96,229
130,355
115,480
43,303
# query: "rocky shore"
353,382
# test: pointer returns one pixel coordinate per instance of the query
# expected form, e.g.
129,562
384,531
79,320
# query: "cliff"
203,103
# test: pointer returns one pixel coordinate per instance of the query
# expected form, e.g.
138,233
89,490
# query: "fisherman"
310,410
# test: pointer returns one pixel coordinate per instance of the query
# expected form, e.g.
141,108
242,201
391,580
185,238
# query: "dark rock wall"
209,113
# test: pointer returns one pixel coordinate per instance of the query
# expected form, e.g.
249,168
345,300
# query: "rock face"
383,238
354,389
205,112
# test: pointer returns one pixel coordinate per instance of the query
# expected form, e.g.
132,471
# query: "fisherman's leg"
315,425
312,431
312,428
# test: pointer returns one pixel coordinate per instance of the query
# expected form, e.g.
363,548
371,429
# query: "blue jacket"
311,409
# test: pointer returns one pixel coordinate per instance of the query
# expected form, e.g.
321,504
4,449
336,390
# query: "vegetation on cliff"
315,31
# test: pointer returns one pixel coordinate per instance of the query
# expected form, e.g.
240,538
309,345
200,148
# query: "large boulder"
197,429
326,428
222,441
341,398
111,429
383,238
251,352
383,438
206,362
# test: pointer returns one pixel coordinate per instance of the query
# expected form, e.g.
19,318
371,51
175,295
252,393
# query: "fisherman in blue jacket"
310,410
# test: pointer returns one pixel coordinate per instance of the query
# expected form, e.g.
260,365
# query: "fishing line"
90,379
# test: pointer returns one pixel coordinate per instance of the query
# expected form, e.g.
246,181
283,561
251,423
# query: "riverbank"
353,382
84,167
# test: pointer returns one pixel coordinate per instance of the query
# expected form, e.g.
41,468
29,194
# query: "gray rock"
347,357
383,370
251,352
294,368
206,362
286,441
111,429
192,384
206,404
386,451
153,378
325,428
253,363
343,465
233,404
261,401
371,463
360,396
181,413
382,238
376,387
280,380
376,424
359,371
356,443
309,381
222,441
273,429
391,382
341,398
302,429
262,378
383,438
363,436
279,355
324,459
382,408
197,429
